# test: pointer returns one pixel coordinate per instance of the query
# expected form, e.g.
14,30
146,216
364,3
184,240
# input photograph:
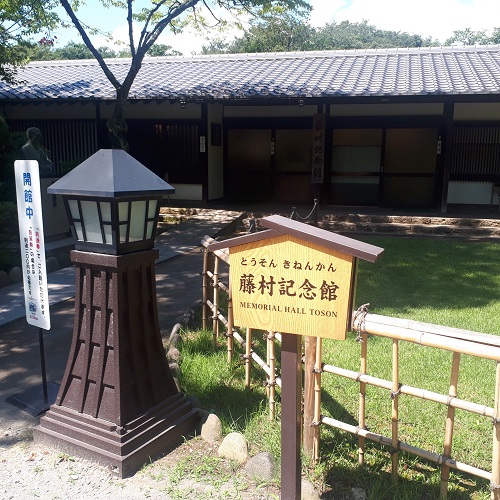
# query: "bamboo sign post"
298,280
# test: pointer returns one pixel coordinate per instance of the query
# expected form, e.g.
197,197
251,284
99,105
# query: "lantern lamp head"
113,203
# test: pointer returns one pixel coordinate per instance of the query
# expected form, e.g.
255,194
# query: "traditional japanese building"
417,127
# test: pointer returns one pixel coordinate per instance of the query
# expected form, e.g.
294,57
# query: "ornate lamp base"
118,403
123,450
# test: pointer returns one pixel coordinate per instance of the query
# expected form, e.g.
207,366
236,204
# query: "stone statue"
32,150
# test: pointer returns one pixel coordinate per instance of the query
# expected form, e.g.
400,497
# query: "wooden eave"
278,225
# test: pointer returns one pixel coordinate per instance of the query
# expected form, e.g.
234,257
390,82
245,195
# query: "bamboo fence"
455,340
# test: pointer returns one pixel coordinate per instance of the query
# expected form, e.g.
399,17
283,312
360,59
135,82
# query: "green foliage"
283,33
446,282
468,36
347,35
292,33
9,236
20,20
443,282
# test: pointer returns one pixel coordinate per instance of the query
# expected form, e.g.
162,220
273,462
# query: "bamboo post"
215,284
205,290
395,416
230,326
248,357
362,398
317,399
495,467
309,395
272,375
450,422
267,336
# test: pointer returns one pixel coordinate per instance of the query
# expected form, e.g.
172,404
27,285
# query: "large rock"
52,265
4,279
211,428
16,275
358,494
234,447
261,467
308,492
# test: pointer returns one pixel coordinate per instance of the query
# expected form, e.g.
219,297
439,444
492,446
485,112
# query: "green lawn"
436,281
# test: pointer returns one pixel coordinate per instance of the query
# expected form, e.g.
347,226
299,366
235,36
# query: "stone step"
412,220
412,229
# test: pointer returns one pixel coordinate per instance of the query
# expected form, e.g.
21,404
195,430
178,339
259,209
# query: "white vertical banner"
29,211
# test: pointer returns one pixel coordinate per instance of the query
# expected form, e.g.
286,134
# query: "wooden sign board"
294,278
284,284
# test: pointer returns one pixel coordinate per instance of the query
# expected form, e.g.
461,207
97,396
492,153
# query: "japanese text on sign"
318,150
286,286
29,211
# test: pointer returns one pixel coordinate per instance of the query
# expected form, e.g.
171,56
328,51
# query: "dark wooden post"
290,410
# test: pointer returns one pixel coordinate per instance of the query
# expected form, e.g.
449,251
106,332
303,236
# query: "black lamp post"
118,403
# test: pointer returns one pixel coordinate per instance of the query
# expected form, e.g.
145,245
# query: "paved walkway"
178,285
181,239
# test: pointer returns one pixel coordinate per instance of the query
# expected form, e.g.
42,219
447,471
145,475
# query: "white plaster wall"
156,110
77,111
55,220
386,109
191,192
269,111
477,111
470,193
215,155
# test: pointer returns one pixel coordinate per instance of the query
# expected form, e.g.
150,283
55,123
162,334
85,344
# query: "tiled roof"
377,72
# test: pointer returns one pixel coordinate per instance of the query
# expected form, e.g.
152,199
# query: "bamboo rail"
387,441
452,339
457,341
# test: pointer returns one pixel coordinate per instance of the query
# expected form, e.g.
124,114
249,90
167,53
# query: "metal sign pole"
36,296
42,362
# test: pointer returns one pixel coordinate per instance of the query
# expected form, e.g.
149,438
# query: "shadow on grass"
417,479
421,272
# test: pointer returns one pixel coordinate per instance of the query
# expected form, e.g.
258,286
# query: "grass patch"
443,282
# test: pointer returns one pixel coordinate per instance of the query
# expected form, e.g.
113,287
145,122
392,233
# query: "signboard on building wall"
318,149
29,210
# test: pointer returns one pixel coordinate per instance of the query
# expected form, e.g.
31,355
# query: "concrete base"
124,450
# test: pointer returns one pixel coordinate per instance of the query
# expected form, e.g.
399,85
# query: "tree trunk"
117,125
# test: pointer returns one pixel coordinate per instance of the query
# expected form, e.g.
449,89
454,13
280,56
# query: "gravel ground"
192,470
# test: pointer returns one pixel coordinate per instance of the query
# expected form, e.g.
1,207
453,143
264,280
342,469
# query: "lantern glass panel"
152,208
149,233
137,220
79,232
123,211
91,222
108,236
73,207
105,211
123,233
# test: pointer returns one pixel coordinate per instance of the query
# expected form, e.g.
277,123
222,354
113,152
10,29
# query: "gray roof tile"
382,72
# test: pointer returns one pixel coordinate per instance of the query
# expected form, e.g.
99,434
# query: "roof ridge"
279,55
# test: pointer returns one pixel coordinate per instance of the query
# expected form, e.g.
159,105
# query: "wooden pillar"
290,417
495,468
450,420
395,414
309,380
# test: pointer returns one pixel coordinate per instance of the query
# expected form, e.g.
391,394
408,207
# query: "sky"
435,18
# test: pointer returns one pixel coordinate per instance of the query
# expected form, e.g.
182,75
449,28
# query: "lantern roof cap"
110,173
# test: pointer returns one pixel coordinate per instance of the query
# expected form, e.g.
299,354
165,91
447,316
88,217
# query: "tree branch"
109,75
130,21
